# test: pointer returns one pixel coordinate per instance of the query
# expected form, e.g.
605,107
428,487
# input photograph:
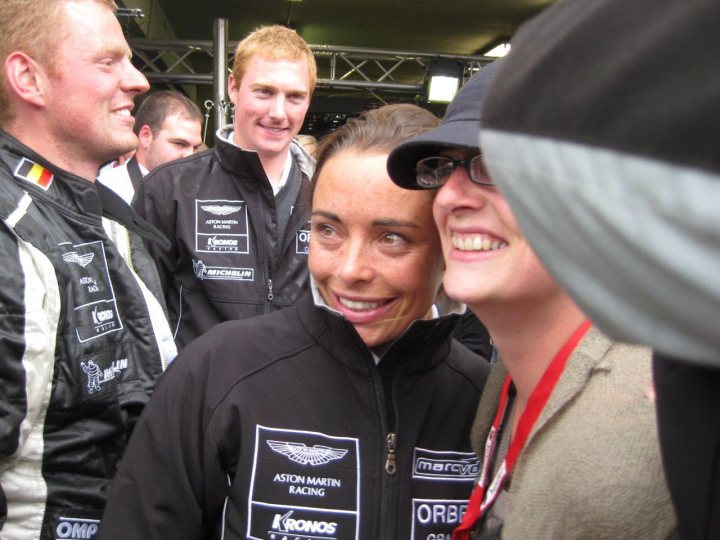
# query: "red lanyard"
483,496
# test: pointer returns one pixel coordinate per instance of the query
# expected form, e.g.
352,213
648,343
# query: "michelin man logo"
97,377
306,455
93,373
199,268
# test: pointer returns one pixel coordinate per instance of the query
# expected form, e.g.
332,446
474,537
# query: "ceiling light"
442,89
499,50
444,80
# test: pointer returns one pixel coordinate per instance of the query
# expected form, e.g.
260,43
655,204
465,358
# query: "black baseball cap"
459,128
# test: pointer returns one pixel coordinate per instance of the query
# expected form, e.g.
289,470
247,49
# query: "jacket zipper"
388,488
391,463
264,261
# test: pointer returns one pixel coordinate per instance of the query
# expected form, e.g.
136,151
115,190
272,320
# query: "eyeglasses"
433,172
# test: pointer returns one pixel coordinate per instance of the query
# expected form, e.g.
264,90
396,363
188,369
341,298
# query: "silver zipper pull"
390,464
270,295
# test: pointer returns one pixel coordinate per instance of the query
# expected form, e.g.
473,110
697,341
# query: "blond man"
237,215
82,337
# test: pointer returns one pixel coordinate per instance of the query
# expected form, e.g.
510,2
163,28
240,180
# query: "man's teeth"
123,112
352,304
476,242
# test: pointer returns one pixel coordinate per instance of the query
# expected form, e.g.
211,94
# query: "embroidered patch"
77,528
305,485
447,465
307,455
96,376
95,312
202,272
302,240
35,174
436,518
221,226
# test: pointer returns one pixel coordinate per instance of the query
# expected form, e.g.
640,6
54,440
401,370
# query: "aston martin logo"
306,455
82,260
221,209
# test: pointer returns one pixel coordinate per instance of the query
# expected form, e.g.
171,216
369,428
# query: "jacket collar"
586,358
45,180
232,156
424,344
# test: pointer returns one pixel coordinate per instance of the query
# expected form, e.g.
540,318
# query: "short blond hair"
34,27
275,42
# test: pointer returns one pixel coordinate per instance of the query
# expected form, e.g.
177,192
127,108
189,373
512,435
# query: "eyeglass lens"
433,172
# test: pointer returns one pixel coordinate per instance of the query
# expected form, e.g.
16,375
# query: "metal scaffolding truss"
373,70
174,62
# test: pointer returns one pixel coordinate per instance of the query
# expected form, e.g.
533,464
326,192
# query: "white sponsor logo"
97,376
199,268
307,455
202,271
90,283
76,529
435,513
444,468
95,310
221,209
434,519
302,242
82,260
284,523
437,465
300,484
102,316
214,241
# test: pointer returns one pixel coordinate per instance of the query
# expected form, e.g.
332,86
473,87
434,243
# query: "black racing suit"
82,341
218,210
289,417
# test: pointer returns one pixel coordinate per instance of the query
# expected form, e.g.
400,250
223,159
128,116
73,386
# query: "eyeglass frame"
466,163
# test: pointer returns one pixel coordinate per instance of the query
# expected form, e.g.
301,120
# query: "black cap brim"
460,128
403,159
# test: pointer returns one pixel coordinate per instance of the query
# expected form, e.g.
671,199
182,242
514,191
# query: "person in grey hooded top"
618,188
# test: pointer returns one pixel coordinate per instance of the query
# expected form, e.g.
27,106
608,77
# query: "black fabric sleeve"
13,404
171,482
154,203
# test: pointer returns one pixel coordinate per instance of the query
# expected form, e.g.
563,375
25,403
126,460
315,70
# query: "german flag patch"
34,173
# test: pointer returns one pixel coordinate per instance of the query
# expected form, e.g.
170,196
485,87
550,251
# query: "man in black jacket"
82,336
237,215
